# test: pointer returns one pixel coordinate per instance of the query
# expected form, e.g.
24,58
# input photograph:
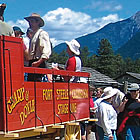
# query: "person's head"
108,94
35,21
2,8
29,33
99,92
134,90
91,89
73,47
18,32
117,99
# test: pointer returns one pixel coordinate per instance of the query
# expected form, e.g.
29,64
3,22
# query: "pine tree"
84,56
107,62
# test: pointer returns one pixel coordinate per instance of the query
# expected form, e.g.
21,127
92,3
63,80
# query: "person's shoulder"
72,57
77,57
98,100
42,32
134,106
102,106
7,26
44,35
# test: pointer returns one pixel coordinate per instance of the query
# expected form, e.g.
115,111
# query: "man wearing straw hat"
40,46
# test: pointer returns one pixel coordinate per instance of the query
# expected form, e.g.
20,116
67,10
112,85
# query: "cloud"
104,6
118,7
64,24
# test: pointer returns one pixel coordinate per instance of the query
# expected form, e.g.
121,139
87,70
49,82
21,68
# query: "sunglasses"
134,90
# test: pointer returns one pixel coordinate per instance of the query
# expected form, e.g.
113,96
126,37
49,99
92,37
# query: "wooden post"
125,86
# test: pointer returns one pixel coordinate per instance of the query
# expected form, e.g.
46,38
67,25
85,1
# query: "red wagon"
29,109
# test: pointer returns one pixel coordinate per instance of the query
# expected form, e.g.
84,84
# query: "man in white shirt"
107,117
40,45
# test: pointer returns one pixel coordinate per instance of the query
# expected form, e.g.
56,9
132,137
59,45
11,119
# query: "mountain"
131,48
117,33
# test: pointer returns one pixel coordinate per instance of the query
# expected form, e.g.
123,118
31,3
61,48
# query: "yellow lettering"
73,107
62,94
47,94
62,108
22,118
9,107
17,97
79,93
28,109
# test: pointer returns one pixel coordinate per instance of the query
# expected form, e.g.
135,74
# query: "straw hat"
74,46
35,16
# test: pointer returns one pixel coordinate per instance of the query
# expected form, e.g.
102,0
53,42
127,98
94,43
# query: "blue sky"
68,19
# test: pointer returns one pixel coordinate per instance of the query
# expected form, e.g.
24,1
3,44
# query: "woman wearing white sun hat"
74,62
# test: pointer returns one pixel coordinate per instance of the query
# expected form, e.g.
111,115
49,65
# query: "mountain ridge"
131,48
117,33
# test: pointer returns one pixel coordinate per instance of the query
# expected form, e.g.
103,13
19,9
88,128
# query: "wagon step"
93,120
44,129
58,126
9,135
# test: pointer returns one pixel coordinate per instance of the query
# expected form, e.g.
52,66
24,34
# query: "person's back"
5,29
107,116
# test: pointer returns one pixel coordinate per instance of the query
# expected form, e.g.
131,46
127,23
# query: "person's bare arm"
37,63
26,54
122,105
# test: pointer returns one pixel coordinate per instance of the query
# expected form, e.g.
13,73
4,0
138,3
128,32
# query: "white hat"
74,46
133,86
109,93
107,89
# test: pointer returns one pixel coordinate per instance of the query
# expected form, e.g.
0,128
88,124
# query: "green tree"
129,65
137,65
58,58
84,56
119,65
53,57
107,62
62,57
92,61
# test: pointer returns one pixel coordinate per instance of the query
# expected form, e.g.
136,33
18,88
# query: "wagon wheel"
72,131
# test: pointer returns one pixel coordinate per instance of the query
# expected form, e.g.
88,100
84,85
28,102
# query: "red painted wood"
25,104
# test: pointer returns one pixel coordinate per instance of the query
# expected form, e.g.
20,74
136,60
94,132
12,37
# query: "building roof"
98,77
134,75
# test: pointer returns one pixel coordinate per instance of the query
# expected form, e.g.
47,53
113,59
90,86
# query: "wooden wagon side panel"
12,79
79,101
21,114
44,104
61,100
